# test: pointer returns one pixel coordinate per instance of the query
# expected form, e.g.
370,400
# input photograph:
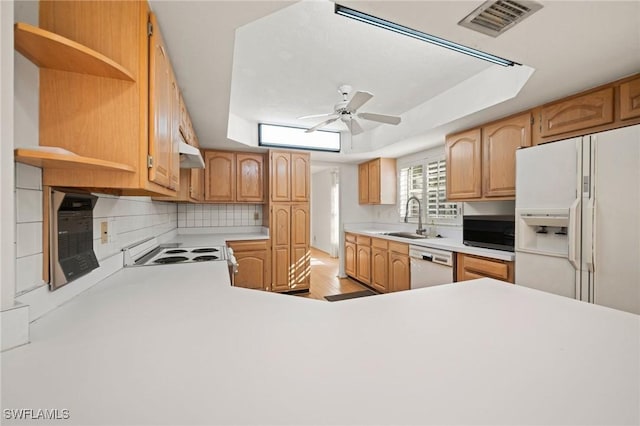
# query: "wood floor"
324,278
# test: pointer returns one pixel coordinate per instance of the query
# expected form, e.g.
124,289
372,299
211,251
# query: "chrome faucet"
420,230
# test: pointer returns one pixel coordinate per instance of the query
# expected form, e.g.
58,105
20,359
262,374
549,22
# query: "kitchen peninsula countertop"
449,244
176,344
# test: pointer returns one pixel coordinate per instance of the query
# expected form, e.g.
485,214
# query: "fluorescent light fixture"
400,29
295,137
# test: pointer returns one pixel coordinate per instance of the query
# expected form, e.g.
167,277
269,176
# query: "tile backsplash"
212,215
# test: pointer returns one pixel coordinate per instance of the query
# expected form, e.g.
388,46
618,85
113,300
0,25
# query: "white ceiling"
283,67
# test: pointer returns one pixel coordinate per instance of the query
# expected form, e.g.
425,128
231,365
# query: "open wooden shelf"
62,159
49,50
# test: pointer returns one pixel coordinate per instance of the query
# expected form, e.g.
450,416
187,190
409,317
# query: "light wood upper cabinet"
500,141
590,110
127,122
250,179
300,176
363,183
377,181
234,177
464,165
280,181
630,99
196,187
220,185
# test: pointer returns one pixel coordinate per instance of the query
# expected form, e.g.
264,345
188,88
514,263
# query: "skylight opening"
276,136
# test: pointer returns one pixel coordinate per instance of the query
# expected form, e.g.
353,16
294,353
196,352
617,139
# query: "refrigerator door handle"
589,211
574,231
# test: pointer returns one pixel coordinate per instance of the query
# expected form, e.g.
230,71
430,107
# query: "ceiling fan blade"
358,99
387,119
355,127
324,123
304,117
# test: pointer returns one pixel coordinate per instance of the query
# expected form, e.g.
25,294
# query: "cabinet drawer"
399,247
379,243
350,237
485,266
363,241
248,245
593,109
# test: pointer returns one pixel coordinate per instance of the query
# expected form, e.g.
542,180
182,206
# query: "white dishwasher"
430,267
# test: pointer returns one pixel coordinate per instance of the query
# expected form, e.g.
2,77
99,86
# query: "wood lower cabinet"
234,177
290,228
399,267
464,165
630,99
581,112
350,249
380,269
363,263
500,140
470,267
254,264
377,181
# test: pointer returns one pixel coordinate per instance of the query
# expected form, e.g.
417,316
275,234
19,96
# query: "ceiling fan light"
400,29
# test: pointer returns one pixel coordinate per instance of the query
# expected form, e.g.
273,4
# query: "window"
427,182
294,137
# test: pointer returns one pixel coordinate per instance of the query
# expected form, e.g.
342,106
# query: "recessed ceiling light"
400,29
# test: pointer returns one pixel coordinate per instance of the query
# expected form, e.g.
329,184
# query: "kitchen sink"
410,235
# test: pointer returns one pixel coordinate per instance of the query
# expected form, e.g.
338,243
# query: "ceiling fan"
346,111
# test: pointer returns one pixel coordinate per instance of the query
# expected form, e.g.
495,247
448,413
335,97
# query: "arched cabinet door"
250,182
221,176
499,144
464,165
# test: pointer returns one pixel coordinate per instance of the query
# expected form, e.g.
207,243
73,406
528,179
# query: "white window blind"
427,182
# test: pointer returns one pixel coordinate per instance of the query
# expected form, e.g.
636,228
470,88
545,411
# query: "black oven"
494,232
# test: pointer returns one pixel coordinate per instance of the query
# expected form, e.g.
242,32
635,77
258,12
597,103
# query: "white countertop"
200,237
175,344
449,244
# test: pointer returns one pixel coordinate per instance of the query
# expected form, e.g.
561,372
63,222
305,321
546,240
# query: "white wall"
321,185
219,215
7,232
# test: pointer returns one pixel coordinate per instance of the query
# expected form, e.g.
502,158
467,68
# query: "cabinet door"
175,133
220,174
363,264
379,269
196,188
300,239
630,99
160,110
585,111
252,269
374,181
363,183
499,144
300,176
398,272
250,178
301,268
300,225
280,167
350,259
464,165
280,224
281,273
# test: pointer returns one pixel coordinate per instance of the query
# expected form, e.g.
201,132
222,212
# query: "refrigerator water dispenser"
543,231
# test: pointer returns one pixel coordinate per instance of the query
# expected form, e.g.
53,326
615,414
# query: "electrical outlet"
104,232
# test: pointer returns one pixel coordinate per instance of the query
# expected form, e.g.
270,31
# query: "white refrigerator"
578,218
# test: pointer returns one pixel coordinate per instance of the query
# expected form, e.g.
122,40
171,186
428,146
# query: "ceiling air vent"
495,17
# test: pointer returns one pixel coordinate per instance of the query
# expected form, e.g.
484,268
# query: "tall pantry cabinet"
289,220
